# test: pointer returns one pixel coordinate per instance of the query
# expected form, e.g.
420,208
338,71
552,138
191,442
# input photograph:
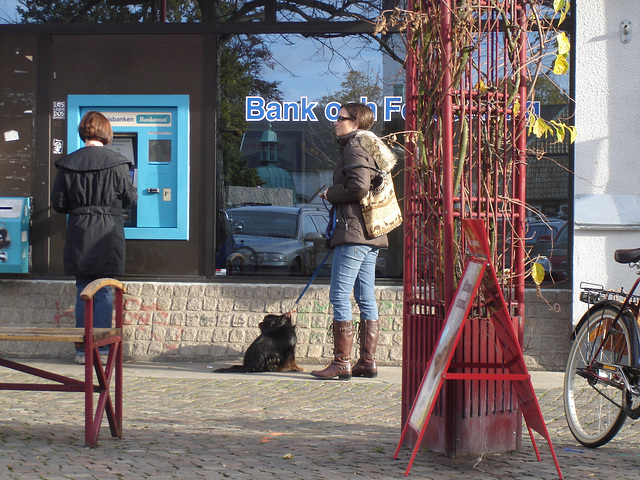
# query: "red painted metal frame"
434,209
103,376
479,276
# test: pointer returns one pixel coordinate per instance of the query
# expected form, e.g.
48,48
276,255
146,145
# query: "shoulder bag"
380,207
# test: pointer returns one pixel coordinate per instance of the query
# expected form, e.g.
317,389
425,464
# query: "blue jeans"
102,309
353,269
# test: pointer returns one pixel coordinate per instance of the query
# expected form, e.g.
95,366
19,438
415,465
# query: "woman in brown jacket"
355,253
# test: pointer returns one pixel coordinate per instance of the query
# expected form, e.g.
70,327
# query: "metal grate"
466,160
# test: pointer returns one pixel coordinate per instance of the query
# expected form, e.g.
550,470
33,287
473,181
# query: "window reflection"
274,240
282,152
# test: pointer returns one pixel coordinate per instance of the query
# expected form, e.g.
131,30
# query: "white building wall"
607,149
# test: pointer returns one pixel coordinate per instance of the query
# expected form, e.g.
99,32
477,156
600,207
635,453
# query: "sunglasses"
342,119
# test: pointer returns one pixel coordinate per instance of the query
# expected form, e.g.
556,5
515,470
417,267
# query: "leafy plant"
472,67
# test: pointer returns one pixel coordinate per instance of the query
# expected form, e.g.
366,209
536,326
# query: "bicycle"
237,258
602,378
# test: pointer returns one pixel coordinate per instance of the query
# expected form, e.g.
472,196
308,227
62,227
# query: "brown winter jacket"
350,184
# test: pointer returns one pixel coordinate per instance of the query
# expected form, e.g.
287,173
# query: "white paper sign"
11,136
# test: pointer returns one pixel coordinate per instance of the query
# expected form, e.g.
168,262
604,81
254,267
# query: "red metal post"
119,364
89,427
409,354
446,114
521,176
163,11
466,160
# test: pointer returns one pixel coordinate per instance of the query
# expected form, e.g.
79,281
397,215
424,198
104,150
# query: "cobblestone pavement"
182,421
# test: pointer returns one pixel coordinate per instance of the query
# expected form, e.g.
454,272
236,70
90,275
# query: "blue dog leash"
313,277
330,226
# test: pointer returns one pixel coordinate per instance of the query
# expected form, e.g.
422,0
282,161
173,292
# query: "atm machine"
153,132
15,214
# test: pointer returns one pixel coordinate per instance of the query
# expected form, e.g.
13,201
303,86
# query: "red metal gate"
466,99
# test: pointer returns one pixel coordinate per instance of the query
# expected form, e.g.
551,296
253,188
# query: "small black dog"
273,350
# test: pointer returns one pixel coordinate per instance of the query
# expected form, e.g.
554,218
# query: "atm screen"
125,144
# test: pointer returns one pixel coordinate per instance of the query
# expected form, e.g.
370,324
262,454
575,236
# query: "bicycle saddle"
631,255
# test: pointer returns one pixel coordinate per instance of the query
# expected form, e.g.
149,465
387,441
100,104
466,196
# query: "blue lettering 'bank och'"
257,109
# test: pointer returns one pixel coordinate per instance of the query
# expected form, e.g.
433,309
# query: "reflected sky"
306,68
8,11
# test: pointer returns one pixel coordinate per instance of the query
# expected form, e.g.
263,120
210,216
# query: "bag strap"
355,165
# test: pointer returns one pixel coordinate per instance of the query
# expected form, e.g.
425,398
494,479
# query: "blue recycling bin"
14,234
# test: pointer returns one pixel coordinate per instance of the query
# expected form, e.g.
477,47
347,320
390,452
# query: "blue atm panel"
153,131
14,234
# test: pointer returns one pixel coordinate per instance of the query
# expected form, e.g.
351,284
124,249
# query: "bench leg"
104,403
103,375
90,437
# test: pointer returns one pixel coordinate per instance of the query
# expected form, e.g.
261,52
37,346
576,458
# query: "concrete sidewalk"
183,421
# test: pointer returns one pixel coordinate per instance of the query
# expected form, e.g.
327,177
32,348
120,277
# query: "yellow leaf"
288,456
560,66
537,273
516,107
561,6
559,128
563,16
563,44
574,133
540,128
481,87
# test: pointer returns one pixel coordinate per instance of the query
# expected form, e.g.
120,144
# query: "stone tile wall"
216,322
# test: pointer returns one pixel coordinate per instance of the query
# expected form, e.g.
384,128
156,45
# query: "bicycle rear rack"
593,293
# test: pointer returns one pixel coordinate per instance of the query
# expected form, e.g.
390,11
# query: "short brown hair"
95,126
360,112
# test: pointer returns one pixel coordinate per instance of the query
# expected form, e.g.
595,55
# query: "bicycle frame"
628,305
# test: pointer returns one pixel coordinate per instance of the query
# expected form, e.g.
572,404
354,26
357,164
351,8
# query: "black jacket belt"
92,209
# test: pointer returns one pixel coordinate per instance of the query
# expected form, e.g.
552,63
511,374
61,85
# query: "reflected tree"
241,57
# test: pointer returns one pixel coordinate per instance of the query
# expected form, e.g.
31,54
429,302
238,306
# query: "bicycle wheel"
590,390
242,261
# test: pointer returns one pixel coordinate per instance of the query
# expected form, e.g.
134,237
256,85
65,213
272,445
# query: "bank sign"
257,109
139,119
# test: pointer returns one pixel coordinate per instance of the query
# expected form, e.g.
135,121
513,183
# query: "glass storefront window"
279,150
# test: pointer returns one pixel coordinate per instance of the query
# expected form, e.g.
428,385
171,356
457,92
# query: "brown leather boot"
341,365
366,366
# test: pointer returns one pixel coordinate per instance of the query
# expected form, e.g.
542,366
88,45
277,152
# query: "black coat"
93,186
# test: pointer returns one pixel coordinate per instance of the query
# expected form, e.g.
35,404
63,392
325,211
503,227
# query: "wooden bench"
92,338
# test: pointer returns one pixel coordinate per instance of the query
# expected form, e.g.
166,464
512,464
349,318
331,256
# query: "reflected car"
550,247
267,239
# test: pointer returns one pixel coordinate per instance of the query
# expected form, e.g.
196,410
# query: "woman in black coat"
93,186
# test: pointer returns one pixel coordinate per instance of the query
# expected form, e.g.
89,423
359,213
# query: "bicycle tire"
242,261
592,418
